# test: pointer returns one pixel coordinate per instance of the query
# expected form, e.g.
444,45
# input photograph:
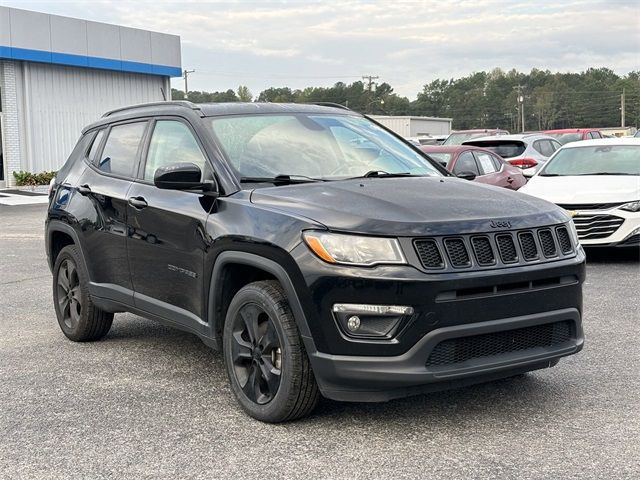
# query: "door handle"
84,189
138,202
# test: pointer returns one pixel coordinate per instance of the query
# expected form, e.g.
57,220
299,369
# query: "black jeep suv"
322,253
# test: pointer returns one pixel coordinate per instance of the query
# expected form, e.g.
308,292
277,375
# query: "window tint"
119,154
544,147
466,163
172,142
486,163
95,146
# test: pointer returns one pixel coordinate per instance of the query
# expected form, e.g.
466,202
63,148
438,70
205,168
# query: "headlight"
574,233
631,206
353,249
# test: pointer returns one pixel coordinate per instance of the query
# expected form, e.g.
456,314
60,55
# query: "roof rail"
177,103
331,104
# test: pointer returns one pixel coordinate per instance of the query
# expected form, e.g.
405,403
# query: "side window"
496,162
486,163
172,142
466,163
537,145
93,151
555,145
595,135
121,148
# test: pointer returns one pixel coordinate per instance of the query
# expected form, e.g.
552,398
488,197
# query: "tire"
260,335
79,319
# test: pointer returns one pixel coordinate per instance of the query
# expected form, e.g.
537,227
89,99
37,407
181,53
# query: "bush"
32,179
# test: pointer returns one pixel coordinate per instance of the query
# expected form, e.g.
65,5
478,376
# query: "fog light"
353,323
372,321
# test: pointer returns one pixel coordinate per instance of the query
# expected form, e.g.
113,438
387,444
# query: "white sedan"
598,182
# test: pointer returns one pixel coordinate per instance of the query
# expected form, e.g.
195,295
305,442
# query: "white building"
409,126
58,74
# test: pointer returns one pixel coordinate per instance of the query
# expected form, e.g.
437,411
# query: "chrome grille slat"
596,226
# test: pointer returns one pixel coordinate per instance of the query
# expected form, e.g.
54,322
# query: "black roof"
216,109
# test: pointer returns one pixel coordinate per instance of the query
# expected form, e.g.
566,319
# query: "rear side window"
93,152
497,162
543,147
466,164
172,142
121,149
486,163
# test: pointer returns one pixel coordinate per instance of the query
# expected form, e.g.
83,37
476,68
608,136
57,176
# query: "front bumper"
376,379
623,235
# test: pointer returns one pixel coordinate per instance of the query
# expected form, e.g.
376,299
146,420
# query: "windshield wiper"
383,174
282,179
605,173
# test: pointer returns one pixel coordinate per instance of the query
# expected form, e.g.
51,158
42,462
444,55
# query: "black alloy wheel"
257,354
69,297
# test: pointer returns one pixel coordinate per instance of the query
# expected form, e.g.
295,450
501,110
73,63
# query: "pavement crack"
24,280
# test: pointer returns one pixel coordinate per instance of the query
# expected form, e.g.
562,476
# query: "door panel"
166,243
167,237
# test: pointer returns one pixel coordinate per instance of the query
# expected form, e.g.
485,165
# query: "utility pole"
370,79
185,75
622,102
520,105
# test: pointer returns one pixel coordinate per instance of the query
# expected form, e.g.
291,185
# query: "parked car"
317,266
460,136
427,140
526,151
478,164
568,135
598,181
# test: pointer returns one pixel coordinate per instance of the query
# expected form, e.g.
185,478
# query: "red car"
477,164
568,135
460,136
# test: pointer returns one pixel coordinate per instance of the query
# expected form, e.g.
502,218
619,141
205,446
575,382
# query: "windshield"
459,138
327,147
596,160
566,137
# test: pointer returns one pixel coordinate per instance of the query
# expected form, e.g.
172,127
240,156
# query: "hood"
410,206
585,189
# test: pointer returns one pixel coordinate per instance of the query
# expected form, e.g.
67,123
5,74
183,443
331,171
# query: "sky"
405,43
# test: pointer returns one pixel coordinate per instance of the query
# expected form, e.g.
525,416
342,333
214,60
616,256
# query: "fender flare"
275,269
60,226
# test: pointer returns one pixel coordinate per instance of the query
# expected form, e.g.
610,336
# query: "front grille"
591,227
507,248
547,243
429,253
483,251
528,246
589,206
457,252
564,240
495,250
459,350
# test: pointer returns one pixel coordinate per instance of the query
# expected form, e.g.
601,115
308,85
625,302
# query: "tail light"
523,162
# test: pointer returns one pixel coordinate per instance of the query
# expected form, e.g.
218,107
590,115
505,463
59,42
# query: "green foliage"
479,100
32,179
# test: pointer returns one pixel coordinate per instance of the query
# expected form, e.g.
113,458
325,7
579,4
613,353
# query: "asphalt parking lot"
149,401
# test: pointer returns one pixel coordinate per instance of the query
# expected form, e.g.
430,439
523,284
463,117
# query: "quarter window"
121,149
466,164
172,142
93,152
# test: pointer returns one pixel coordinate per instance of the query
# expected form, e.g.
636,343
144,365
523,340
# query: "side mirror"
180,176
466,175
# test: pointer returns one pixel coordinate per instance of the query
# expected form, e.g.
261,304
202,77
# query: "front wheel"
266,362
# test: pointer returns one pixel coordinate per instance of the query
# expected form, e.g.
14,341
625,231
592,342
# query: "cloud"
407,44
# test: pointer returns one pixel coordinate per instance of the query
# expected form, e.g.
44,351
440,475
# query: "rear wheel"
266,362
79,319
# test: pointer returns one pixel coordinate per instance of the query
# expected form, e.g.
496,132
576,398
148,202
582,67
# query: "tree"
244,94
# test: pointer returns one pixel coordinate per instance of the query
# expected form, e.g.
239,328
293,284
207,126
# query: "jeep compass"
319,251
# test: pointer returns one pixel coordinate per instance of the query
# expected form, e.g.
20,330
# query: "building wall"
415,126
54,103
